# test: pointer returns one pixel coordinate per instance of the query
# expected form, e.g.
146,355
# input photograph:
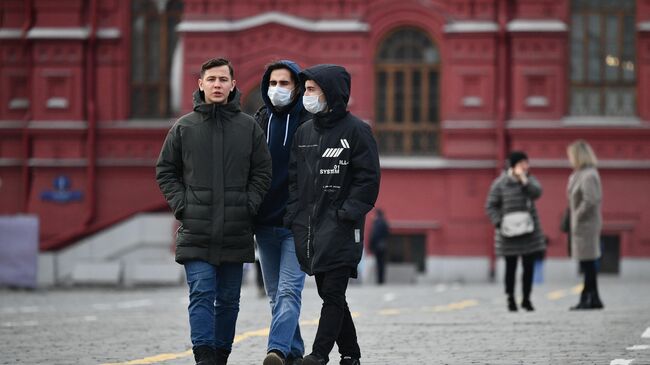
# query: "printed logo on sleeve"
336,152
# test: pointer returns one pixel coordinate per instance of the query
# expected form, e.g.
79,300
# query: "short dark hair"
516,156
217,62
278,65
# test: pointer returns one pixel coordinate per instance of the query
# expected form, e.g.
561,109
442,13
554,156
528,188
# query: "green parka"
214,169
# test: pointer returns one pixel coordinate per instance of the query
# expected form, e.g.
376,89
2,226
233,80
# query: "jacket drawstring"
268,130
286,131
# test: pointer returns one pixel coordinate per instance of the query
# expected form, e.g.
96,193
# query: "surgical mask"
312,104
279,96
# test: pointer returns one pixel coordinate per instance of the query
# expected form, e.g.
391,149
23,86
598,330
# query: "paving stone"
407,324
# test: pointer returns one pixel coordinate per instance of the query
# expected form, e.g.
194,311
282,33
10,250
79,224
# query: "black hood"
264,88
233,105
334,80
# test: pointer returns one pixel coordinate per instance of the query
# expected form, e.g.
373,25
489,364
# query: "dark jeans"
528,262
335,323
588,267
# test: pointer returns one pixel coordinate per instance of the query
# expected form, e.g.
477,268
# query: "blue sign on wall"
61,192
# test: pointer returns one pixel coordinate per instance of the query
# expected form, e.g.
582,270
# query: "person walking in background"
585,196
511,208
378,236
333,183
214,169
279,117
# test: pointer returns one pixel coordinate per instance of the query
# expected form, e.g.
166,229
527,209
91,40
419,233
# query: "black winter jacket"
333,179
214,169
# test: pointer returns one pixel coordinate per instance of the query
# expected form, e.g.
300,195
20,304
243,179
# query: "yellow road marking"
155,359
452,306
313,322
558,294
577,289
265,332
389,312
464,304
165,357
259,333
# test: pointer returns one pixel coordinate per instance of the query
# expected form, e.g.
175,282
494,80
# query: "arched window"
406,94
603,75
153,42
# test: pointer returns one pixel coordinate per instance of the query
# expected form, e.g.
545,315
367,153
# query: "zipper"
311,264
308,237
310,252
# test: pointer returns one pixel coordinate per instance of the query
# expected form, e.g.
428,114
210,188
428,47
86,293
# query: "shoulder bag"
517,223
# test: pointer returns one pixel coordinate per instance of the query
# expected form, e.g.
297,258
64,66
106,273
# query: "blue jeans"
283,281
214,302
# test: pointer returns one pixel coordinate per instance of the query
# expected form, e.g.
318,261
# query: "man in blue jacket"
279,118
333,183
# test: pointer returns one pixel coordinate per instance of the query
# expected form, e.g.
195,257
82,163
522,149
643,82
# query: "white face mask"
312,104
279,96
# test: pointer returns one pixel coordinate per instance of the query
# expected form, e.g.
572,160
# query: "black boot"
314,359
591,301
512,305
221,356
582,304
595,301
527,305
204,355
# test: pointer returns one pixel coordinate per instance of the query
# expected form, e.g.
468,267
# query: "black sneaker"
274,358
348,360
313,359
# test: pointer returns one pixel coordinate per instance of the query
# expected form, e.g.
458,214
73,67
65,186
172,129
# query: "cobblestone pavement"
423,324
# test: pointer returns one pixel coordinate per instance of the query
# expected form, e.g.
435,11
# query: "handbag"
565,223
565,226
517,223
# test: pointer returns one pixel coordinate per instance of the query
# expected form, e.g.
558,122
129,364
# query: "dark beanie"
515,157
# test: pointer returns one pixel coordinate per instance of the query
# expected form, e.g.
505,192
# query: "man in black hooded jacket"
214,169
333,183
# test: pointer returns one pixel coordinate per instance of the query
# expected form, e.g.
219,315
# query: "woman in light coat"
585,195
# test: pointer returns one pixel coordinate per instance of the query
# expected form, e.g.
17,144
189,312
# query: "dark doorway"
407,248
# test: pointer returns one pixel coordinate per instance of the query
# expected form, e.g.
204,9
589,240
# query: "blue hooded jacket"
279,125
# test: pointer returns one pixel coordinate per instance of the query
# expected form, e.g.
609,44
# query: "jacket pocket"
197,215
333,236
198,195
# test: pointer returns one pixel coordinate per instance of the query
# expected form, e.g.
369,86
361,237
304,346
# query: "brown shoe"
273,358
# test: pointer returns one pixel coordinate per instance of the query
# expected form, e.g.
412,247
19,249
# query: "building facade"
88,90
